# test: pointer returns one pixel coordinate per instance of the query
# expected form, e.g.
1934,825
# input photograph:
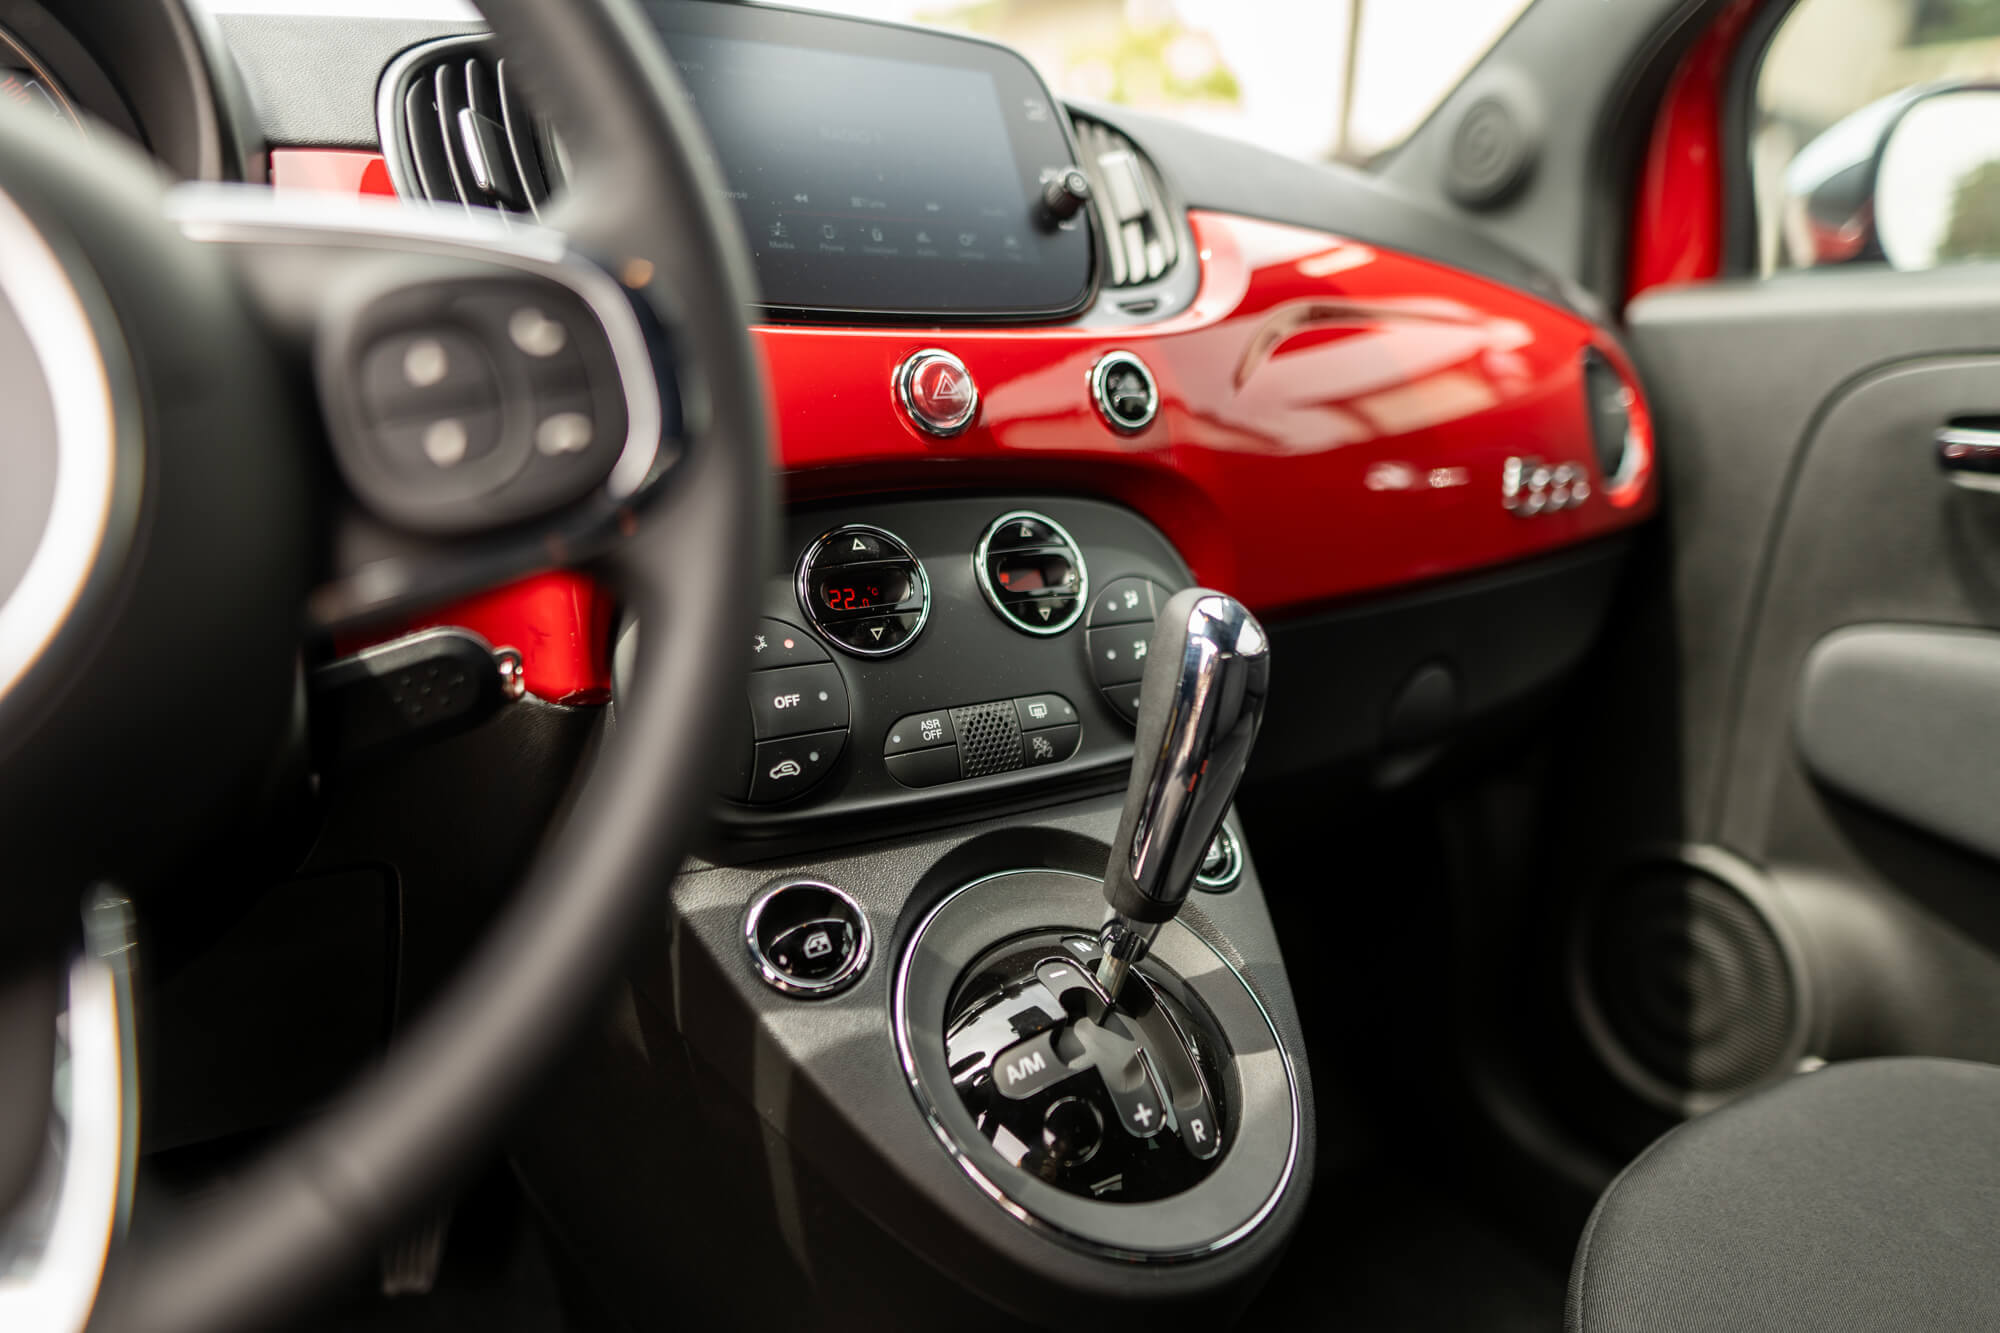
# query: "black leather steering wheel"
204,324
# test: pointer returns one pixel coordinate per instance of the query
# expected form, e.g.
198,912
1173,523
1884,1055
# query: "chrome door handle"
1970,456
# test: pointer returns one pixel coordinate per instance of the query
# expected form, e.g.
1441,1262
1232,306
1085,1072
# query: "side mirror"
1937,188
1912,180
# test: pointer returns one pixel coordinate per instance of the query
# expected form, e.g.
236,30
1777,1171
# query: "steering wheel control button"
937,392
1127,601
792,700
428,446
426,373
921,731
1050,746
806,938
776,644
789,767
564,433
1020,1072
468,403
925,768
531,330
1032,572
864,591
1124,392
1044,710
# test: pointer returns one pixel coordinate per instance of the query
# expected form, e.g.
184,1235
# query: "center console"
942,1075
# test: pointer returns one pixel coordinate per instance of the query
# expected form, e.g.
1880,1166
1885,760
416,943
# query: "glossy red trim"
1677,217
342,170
559,621
1335,418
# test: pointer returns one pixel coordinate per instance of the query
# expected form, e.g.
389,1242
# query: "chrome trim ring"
846,976
1232,864
1100,392
55,1244
906,1055
985,581
943,428
811,612
78,527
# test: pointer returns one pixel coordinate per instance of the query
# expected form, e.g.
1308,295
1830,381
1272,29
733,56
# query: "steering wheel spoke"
493,402
58,1228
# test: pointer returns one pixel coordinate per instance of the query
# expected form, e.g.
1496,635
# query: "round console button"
1124,391
937,391
1072,1130
806,938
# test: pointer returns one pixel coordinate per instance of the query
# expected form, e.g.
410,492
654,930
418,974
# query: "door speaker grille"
1686,987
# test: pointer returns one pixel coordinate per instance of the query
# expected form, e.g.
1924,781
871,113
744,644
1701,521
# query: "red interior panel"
1335,420
1677,218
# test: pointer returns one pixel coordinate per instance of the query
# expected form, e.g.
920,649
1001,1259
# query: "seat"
1863,1196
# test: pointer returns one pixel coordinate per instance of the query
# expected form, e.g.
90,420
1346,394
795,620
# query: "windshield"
1274,72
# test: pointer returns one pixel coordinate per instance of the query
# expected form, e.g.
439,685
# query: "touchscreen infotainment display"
881,169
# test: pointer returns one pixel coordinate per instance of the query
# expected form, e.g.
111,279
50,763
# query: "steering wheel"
191,410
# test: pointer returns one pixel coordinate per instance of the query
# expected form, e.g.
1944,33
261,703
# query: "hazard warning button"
936,390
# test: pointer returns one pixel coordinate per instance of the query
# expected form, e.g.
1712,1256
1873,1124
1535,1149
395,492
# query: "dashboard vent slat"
1141,236
463,137
520,132
448,94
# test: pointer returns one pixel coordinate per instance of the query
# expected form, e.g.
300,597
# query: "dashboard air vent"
455,131
1141,238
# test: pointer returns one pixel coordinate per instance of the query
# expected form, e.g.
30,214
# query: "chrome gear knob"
1208,670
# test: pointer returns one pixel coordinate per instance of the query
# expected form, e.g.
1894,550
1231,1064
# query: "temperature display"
864,591
875,588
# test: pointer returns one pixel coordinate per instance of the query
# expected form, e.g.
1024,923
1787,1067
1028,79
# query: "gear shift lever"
1208,669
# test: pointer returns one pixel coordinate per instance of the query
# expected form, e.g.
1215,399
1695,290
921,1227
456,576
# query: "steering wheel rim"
324,1195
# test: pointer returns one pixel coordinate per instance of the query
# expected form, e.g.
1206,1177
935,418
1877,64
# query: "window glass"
1274,72
1876,135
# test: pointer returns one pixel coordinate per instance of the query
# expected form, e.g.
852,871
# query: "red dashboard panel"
1336,419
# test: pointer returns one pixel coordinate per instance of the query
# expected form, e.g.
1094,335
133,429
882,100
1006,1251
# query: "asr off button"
936,391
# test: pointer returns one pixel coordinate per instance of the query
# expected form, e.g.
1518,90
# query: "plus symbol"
1144,1115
